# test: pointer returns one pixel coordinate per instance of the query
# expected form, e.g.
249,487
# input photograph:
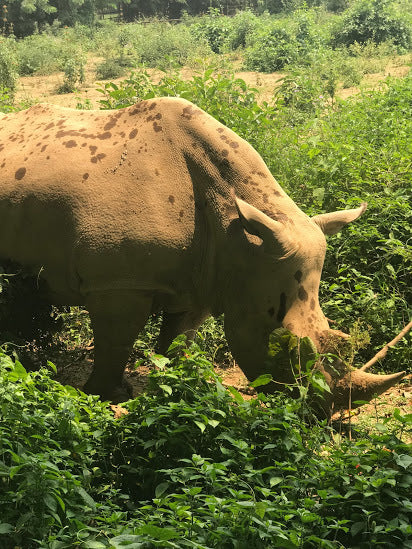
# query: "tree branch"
380,355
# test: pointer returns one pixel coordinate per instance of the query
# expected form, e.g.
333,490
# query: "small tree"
372,20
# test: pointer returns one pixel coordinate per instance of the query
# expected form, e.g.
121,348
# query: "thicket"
191,464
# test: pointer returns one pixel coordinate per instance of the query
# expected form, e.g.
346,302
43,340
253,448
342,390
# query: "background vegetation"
194,464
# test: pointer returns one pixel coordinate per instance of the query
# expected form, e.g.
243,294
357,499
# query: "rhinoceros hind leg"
117,318
174,324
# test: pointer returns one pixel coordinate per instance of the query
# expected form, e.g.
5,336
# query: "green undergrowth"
192,464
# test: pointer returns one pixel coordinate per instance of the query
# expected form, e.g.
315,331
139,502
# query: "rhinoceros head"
281,283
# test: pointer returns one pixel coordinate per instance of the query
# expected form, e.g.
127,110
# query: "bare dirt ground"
43,88
75,372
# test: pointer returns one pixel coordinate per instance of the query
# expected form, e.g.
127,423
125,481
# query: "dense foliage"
191,465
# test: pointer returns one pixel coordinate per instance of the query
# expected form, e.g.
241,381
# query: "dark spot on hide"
70,144
171,199
49,126
111,124
302,294
225,152
282,307
280,217
298,276
43,148
220,130
271,311
97,158
234,144
105,135
157,127
152,106
93,149
190,111
85,176
20,173
133,134
312,304
181,213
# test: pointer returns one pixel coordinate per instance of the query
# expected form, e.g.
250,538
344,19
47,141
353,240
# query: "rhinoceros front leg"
117,318
174,324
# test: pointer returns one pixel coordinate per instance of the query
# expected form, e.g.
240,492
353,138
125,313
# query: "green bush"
372,20
8,73
287,41
214,28
38,54
244,24
191,465
161,45
73,74
272,50
110,68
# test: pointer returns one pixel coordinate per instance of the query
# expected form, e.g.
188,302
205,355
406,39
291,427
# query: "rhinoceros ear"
271,232
332,223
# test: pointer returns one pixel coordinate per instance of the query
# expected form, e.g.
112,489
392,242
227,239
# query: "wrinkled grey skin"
159,207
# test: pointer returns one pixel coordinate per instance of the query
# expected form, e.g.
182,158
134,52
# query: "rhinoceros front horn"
357,386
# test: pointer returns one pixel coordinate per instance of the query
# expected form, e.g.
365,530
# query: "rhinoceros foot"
115,394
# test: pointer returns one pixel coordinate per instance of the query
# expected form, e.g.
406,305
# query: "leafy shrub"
73,74
110,68
38,54
162,45
373,20
272,50
8,73
278,43
213,28
244,24
191,465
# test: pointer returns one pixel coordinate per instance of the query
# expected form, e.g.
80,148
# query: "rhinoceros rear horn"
332,223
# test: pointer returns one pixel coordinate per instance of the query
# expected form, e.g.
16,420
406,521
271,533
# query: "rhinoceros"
158,206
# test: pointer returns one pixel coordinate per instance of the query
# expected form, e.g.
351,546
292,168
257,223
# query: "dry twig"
380,355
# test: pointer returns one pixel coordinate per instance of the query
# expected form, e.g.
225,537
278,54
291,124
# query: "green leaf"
18,372
262,380
201,425
161,489
6,528
403,460
163,534
236,395
86,497
167,389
